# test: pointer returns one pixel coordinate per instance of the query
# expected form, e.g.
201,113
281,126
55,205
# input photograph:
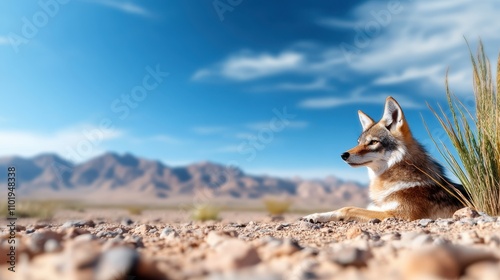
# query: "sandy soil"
110,244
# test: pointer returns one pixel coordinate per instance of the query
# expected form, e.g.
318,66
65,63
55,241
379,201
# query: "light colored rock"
168,231
263,250
135,240
142,229
351,256
424,222
78,223
232,254
482,220
493,240
214,238
408,236
326,230
84,237
483,270
81,253
440,241
444,223
37,240
353,232
465,212
421,240
441,262
73,232
466,221
470,237
277,248
304,225
116,263
52,246
391,236
50,266
107,234
430,263
467,255
303,270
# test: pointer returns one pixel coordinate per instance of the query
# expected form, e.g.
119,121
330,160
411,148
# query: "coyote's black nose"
345,156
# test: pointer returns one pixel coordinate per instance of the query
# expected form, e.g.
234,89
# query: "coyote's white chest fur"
380,196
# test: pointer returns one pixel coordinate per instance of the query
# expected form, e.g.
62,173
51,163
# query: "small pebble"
117,262
424,222
351,256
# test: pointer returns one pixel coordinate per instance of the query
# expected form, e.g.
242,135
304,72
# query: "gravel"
466,246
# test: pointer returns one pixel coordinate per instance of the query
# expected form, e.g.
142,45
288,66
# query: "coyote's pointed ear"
365,120
393,118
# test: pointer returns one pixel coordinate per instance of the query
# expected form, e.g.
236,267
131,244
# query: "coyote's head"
383,143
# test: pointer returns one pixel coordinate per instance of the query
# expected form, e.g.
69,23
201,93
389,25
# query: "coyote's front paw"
321,217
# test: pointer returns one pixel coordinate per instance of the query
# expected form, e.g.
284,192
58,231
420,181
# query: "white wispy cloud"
415,46
123,6
77,143
314,85
332,102
432,73
248,66
300,59
426,38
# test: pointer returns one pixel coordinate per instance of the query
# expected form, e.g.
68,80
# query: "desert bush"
135,210
31,209
277,206
73,206
205,212
475,135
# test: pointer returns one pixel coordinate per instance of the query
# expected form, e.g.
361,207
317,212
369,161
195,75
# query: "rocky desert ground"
109,244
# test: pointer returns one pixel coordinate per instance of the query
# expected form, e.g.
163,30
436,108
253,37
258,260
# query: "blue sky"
186,81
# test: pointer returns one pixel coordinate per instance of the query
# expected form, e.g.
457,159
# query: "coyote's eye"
373,142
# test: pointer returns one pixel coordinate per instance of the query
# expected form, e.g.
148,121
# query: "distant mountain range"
126,178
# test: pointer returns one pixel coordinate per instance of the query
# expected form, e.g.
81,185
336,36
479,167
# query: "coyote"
405,182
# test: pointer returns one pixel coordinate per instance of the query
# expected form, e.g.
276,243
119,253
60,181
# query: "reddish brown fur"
424,196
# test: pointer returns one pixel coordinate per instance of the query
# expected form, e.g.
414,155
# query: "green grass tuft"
475,135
